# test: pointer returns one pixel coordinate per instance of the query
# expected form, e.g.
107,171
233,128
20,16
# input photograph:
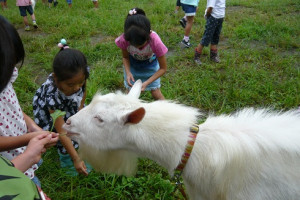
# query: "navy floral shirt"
49,97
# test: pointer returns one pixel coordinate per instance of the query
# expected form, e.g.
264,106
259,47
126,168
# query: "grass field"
259,51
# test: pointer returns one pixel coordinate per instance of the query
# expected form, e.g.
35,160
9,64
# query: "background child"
24,7
143,53
55,2
189,7
3,4
64,90
95,2
16,128
178,4
69,3
214,14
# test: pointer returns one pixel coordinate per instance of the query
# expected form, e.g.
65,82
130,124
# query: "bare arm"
67,143
31,125
162,70
126,63
83,98
8,143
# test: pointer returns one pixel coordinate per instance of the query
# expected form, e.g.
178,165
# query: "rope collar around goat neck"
185,157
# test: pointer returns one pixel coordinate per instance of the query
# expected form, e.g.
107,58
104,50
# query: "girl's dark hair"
137,27
69,62
11,51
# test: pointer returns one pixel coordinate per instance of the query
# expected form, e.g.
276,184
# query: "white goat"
249,155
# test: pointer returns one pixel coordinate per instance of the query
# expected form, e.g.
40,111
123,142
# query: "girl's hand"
144,85
52,142
129,79
80,167
33,152
37,145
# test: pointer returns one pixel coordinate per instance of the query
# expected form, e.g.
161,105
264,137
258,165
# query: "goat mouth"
72,134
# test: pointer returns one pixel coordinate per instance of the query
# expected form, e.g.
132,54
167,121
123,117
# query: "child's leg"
215,41
25,20
69,3
178,4
157,95
189,24
95,2
30,11
190,12
33,17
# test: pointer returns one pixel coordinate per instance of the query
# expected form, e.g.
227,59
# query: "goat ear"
135,116
136,89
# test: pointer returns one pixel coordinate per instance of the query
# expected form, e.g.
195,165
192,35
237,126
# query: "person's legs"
190,12
198,52
157,95
95,2
25,20
215,41
55,3
30,11
69,3
178,4
189,24
206,38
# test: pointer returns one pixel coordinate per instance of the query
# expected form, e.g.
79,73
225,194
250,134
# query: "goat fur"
250,154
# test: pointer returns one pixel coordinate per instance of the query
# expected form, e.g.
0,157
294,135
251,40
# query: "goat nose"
68,122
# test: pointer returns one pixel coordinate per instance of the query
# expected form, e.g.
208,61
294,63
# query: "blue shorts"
69,2
23,10
189,10
143,70
2,0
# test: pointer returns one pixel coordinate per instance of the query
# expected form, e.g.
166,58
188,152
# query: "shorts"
50,1
189,10
69,2
23,10
94,0
212,31
178,3
143,70
3,0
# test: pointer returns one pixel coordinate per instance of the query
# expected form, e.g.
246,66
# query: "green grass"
259,48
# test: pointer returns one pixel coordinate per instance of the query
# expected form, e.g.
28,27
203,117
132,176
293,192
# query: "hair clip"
63,44
132,12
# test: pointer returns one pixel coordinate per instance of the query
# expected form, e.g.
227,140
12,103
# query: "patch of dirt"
40,76
99,38
171,52
35,32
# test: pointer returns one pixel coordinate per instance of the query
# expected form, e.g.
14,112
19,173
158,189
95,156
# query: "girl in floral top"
143,53
64,90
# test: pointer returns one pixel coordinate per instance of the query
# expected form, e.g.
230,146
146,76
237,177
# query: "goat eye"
99,118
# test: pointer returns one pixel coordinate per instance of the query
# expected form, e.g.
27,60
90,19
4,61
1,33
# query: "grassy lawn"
259,51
